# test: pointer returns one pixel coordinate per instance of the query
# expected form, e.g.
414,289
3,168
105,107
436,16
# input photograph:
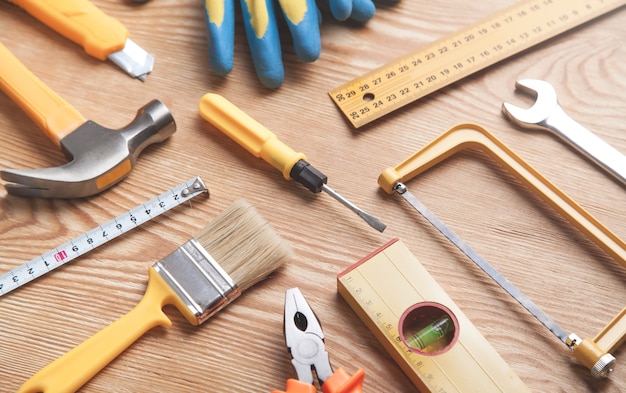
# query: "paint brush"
232,253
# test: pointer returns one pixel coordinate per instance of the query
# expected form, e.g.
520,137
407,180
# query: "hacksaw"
592,353
454,57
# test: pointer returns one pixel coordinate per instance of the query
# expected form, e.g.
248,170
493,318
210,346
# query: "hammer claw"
26,191
55,182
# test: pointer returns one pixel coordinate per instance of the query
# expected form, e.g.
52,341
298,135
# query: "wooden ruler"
474,48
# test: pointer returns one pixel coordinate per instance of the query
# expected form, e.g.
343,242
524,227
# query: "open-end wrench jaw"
100,157
547,115
546,104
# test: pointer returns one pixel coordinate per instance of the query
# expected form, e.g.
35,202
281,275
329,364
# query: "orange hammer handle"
80,21
52,114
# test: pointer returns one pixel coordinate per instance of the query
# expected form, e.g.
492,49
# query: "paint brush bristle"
232,253
244,244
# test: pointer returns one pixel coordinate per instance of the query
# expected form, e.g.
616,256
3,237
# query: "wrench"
546,114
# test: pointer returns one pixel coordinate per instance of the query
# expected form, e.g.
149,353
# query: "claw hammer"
99,157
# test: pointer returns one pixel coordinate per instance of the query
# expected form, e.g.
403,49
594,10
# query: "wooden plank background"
242,348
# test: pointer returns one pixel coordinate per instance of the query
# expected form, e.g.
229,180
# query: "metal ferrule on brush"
198,280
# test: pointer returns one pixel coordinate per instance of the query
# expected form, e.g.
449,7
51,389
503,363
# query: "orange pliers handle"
339,382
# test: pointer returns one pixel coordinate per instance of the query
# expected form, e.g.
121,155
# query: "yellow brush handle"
81,22
52,114
72,370
249,133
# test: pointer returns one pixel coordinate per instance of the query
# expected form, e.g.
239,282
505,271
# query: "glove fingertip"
308,55
220,35
307,41
221,52
272,79
341,10
363,12
221,65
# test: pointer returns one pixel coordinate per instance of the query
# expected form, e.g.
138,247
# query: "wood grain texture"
242,348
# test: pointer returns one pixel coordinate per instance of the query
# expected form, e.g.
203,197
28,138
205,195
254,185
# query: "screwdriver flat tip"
372,221
368,218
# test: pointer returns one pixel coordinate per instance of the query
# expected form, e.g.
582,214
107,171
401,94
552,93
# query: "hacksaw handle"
50,112
72,370
80,21
465,136
248,133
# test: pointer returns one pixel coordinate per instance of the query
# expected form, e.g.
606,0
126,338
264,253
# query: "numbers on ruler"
419,73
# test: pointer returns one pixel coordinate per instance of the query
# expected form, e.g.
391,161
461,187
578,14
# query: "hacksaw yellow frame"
468,135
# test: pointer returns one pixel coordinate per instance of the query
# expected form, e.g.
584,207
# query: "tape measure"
447,60
398,300
100,235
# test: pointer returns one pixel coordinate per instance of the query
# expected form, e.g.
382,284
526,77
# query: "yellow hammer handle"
72,370
81,22
249,133
50,112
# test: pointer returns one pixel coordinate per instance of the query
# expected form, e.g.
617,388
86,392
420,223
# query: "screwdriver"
263,143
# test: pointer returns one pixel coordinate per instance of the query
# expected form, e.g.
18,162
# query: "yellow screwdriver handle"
80,21
72,370
50,112
249,133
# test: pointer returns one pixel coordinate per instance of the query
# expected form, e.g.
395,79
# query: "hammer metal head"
545,105
99,157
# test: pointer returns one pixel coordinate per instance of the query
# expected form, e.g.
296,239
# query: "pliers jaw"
305,339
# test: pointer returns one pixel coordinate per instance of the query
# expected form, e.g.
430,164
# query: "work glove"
260,20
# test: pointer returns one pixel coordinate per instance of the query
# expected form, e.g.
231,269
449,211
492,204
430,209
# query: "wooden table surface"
242,348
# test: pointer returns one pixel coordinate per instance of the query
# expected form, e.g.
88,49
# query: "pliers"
305,342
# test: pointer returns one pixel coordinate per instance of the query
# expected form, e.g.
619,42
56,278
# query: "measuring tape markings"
100,235
449,59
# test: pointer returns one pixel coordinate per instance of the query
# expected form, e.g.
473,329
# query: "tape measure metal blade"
100,235
452,58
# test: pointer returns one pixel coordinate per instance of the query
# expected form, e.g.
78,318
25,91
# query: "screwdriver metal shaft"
264,144
368,218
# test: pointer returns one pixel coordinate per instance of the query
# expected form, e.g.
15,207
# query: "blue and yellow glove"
302,16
